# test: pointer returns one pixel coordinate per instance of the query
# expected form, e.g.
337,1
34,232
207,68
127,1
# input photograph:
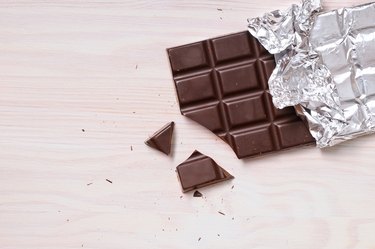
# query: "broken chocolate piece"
221,84
162,139
199,171
197,194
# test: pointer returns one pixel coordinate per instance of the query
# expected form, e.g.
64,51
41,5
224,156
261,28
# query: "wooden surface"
101,66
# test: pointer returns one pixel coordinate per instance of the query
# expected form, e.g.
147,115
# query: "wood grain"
101,66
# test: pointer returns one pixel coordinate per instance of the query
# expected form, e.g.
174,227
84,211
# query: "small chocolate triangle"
162,139
199,171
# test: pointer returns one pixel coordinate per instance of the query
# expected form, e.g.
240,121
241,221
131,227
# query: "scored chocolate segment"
221,83
188,57
200,171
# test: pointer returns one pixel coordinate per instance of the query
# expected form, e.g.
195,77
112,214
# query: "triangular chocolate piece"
162,139
200,170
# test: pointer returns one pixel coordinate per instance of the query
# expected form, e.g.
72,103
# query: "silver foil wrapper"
325,65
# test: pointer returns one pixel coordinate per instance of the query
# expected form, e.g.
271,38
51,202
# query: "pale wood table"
83,82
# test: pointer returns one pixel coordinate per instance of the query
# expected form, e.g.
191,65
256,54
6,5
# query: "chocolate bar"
199,171
162,139
221,84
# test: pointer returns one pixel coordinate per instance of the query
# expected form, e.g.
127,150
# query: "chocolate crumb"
163,229
218,235
221,213
221,18
219,9
88,184
232,218
233,187
181,196
169,218
108,180
197,194
199,239
133,112
83,130
131,148
136,66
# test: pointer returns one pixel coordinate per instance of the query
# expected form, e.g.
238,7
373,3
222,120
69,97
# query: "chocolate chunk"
199,171
221,84
162,139
197,194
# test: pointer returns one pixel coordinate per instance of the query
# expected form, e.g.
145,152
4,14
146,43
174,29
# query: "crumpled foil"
325,65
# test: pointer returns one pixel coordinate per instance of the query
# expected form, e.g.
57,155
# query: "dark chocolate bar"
199,171
162,139
221,84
